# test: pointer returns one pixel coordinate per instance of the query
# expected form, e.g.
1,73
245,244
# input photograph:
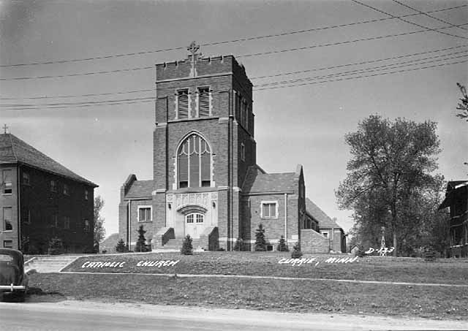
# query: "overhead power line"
427,14
282,34
240,56
409,22
359,63
416,62
345,76
269,76
360,77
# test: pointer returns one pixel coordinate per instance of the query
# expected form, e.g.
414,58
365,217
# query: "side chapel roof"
325,222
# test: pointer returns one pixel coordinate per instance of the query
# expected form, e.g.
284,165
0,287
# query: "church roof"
140,189
325,222
257,181
14,150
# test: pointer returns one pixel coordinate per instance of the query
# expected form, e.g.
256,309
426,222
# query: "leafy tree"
187,248
282,246
121,247
296,253
390,170
141,242
260,242
463,105
99,231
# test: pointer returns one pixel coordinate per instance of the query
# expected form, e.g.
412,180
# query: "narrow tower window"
182,104
203,102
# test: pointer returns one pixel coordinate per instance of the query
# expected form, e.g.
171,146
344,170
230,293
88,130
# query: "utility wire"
319,80
221,42
360,77
365,70
358,63
409,22
267,76
427,14
337,43
240,56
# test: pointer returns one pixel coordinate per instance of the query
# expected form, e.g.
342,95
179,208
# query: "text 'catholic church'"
206,182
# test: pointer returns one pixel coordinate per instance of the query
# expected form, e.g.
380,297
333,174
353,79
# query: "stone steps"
48,264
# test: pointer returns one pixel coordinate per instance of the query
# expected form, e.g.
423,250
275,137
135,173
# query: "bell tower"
203,146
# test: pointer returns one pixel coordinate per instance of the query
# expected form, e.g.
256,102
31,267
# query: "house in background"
456,199
206,181
40,199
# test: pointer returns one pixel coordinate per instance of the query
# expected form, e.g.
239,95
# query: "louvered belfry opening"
183,103
203,101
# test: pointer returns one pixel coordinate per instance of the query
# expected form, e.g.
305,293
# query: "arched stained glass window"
194,163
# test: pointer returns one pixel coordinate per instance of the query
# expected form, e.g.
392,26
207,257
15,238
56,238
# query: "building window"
269,209
8,244
54,221
7,181
86,195
26,179
53,186
87,226
7,219
194,163
194,218
242,152
144,214
183,104
66,190
203,101
66,222
325,234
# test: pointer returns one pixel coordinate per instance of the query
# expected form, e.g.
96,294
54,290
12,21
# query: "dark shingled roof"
140,189
257,181
325,222
14,150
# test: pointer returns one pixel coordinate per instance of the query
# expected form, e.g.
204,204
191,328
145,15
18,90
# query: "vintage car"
13,279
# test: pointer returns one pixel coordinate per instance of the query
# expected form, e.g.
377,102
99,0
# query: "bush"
141,242
260,242
296,253
282,246
55,246
239,245
187,248
121,247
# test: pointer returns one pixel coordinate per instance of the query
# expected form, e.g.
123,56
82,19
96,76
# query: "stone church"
206,181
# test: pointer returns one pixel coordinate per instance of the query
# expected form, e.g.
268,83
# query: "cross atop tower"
5,129
193,57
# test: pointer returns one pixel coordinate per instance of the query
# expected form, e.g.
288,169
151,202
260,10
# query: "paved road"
84,315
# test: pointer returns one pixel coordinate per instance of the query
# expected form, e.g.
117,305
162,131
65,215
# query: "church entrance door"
194,224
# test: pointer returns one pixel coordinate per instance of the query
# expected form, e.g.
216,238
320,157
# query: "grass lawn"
272,294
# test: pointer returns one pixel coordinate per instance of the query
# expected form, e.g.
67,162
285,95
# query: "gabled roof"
257,181
325,222
140,189
454,188
14,150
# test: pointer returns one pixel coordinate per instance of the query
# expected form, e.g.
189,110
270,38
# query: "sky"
77,79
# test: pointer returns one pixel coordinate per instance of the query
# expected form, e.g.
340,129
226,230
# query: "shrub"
260,242
296,253
121,247
239,245
282,246
55,246
187,248
141,242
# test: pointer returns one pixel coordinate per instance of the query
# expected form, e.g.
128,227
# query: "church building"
206,181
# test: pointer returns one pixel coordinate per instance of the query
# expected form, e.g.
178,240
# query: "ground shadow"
36,294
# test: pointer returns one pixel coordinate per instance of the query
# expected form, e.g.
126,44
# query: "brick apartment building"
456,199
40,199
206,181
